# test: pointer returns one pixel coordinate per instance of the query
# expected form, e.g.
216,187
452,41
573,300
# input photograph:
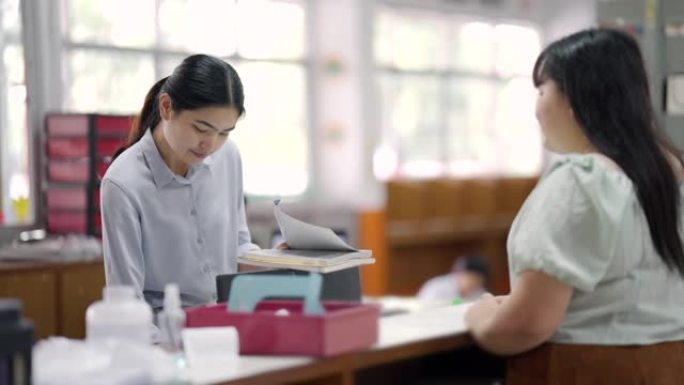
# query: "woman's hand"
282,246
482,310
500,298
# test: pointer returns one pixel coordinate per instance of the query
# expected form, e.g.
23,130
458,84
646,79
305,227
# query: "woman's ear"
165,110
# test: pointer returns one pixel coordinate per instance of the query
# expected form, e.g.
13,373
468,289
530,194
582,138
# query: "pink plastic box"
345,327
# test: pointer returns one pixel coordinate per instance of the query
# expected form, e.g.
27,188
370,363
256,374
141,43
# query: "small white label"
211,345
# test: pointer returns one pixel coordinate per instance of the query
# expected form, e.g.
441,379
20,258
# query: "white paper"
304,236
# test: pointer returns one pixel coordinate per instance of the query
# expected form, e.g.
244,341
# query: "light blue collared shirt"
159,227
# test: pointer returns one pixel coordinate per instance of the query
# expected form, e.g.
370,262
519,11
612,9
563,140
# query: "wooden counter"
54,295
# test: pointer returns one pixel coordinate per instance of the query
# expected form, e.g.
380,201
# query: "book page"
305,236
299,256
318,269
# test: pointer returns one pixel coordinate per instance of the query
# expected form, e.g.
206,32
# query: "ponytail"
199,81
147,119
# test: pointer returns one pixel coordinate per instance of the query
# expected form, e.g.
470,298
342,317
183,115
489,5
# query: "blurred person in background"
466,282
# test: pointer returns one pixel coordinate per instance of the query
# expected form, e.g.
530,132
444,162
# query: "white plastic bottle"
171,320
119,315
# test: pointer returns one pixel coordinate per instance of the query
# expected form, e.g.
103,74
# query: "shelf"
77,152
431,231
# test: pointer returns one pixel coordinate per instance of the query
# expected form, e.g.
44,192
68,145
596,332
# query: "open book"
311,248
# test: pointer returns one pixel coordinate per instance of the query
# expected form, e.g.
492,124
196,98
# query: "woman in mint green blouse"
595,254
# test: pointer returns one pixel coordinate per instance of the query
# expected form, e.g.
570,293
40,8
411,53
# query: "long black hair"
602,74
199,81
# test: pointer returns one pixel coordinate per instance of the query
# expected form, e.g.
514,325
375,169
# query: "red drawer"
96,199
72,221
63,222
108,146
67,125
78,147
67,147
114,125
67,198
68,170
97,222
74,171
102,167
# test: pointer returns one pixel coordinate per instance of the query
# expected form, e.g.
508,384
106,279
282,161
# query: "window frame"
447,76
160,53
9,231
46,45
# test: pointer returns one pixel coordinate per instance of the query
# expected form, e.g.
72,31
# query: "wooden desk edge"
13,266
375,357
345,365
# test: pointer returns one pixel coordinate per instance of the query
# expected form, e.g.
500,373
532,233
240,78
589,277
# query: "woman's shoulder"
588,169
128,168
593,177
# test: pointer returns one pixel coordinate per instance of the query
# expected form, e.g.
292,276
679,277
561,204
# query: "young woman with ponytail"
595,253
172,200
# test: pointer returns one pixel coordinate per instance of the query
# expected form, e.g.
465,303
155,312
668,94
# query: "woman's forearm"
505,342
500,333
522,320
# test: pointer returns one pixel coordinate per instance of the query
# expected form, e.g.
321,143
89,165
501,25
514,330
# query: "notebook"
311,248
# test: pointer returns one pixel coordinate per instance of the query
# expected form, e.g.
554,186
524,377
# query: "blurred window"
16,181
456,96
113,56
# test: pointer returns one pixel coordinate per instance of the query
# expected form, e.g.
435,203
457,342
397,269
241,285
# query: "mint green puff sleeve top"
584,226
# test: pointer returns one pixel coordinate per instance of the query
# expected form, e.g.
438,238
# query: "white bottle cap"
171,297
118,293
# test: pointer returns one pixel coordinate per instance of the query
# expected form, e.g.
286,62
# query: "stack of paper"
311,248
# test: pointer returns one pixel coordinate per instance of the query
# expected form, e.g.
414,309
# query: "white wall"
562,17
